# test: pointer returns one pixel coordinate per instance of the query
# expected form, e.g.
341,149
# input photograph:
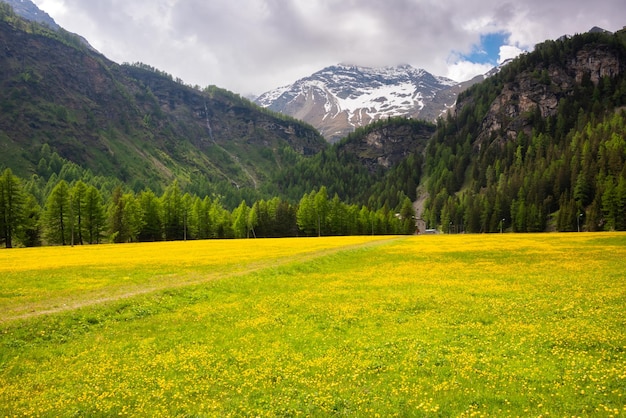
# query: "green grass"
491,325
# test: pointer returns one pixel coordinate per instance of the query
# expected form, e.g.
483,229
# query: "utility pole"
580,215
71,219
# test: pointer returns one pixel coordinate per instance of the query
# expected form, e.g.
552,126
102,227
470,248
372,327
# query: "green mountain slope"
130,121
376,165
538,146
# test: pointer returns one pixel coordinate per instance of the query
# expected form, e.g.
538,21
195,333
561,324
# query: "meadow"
449,325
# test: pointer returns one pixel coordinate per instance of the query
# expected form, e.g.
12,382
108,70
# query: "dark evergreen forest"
561,172
71,206
540,146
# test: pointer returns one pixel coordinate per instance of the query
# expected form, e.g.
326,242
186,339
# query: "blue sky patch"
489,49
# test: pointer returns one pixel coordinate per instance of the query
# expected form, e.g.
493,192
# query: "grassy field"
462,325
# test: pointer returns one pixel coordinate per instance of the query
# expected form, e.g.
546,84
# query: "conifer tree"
11,207
306,215
30,235
94,217
172,215
58,215
240,220
150,205
78,195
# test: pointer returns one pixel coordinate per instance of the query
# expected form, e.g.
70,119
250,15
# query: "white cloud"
508,52
465,70
55,8
250,46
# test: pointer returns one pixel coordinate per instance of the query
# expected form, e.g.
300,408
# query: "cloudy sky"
251,46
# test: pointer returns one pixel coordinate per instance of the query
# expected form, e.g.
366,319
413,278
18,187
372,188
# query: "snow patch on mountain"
340,98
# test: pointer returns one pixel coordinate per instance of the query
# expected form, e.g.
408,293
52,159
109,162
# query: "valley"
367,241
350,325
537,145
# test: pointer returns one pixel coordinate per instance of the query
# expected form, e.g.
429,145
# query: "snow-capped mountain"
340,98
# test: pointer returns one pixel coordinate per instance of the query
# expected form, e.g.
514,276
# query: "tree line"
77,213
342,170
536,183
8,15
564,172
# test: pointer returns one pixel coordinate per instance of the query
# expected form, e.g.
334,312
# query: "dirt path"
418,205
174,281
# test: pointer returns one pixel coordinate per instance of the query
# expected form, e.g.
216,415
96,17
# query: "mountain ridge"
539,146
530,148
29,11
130,120
340,98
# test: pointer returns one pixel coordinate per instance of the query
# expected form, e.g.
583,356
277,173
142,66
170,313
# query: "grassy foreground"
476,325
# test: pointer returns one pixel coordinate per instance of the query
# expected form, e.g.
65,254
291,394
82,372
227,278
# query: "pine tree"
253,219
30,235
240,220
94,217
77,198
320,202
407,217
57,215
202,225
336,217
152,229
116,217
11,207
125,218
306,216
610,204
172,215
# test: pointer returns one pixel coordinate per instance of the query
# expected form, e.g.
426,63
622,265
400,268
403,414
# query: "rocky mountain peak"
597,29
342,97
29,11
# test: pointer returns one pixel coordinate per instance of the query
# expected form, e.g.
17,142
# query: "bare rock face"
517,98
384,148
542,89
598,63
341,98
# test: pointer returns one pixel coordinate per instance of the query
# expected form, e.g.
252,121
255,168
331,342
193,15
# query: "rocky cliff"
385,144
341,98
541,90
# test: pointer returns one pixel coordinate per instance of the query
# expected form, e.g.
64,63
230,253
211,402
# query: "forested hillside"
97,152
539,146
378,165
78,212
65,203
368,193
131,122
92,152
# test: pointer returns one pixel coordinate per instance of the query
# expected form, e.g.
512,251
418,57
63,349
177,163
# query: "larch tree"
94,216
240,220
11,207
58,214
78,195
